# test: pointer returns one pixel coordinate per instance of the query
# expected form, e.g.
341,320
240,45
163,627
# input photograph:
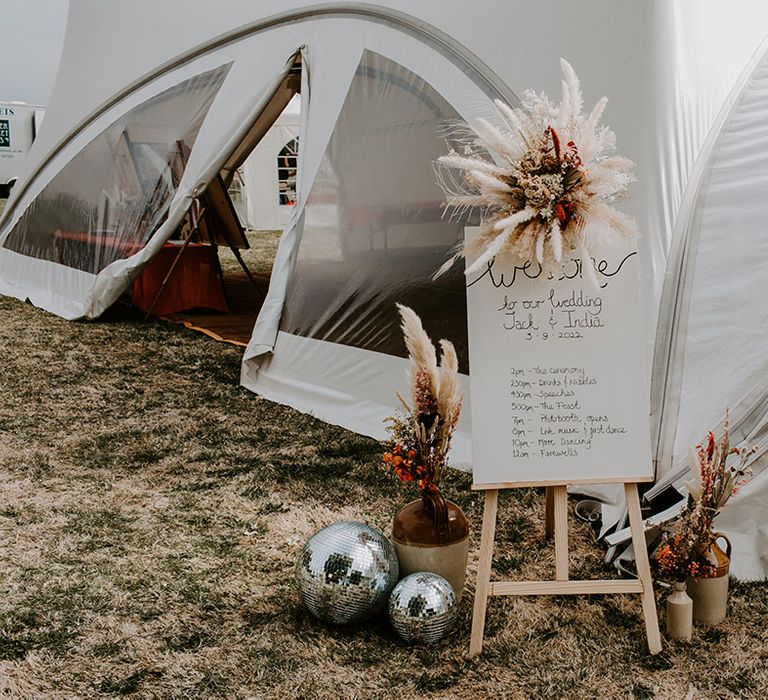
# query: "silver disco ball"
346,571
422,608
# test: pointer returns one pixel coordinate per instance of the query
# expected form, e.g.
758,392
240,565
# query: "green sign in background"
5,133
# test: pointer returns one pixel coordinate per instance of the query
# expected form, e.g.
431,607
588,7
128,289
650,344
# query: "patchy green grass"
258,257
151,511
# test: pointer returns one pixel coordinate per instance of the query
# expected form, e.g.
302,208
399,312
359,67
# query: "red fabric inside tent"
195,283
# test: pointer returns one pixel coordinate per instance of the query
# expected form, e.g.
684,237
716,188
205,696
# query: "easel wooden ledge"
556,524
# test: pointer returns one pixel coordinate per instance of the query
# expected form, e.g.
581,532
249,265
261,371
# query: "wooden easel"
556,524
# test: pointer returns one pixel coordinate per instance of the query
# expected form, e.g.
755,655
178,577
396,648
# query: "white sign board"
557,372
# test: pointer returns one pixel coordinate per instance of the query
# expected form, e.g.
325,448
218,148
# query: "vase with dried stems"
431,533
689,550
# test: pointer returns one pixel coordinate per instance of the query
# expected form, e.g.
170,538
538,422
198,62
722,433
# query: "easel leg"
643,568
560,503
233,247
549,513
482,587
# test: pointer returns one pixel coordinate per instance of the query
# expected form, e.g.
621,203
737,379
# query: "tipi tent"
379,83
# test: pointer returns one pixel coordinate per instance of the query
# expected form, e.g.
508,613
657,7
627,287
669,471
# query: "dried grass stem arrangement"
683,549
545,181
421,436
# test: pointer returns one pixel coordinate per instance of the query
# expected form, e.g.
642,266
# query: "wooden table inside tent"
196,282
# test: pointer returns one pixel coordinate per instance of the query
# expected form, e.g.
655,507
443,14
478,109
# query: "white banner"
557,372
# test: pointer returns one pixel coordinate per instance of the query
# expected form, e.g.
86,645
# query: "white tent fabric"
323,342
75,293
263,210
713,330
719,282
745,522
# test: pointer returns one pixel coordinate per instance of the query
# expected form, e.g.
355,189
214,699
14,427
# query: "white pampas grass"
454,160
448,391
572,103
519,217
423,359
540,246
488,183
512,119
494,139
694,486
490,251
588,267
447,265
556,241
443,378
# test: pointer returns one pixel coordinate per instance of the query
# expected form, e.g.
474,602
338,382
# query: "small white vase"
679,613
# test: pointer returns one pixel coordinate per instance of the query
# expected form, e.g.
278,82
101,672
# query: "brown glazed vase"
432,534
710,593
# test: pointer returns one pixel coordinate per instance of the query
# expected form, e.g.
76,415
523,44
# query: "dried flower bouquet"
682,552
545,182
421,436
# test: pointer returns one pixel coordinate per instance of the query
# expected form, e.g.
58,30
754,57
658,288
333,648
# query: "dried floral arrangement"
421,434
544,183
683,549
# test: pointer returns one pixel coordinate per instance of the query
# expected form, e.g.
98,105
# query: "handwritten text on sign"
557,374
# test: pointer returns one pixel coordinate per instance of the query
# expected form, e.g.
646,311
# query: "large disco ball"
346,571
422,608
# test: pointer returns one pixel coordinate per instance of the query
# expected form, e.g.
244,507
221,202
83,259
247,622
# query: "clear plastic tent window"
106,203
287,169
373,231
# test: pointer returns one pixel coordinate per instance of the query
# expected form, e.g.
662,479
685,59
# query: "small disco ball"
346,571
422,608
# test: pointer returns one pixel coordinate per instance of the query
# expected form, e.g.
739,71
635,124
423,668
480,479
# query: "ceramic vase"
679,613
710,593
432,534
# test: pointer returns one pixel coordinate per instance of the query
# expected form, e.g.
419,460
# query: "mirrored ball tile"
423,608
345,572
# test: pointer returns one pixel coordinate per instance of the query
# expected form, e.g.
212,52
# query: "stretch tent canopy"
381,84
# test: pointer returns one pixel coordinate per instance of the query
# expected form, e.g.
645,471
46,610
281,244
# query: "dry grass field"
151,512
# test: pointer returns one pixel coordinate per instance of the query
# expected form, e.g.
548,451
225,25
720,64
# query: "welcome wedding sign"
555,345
559,392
